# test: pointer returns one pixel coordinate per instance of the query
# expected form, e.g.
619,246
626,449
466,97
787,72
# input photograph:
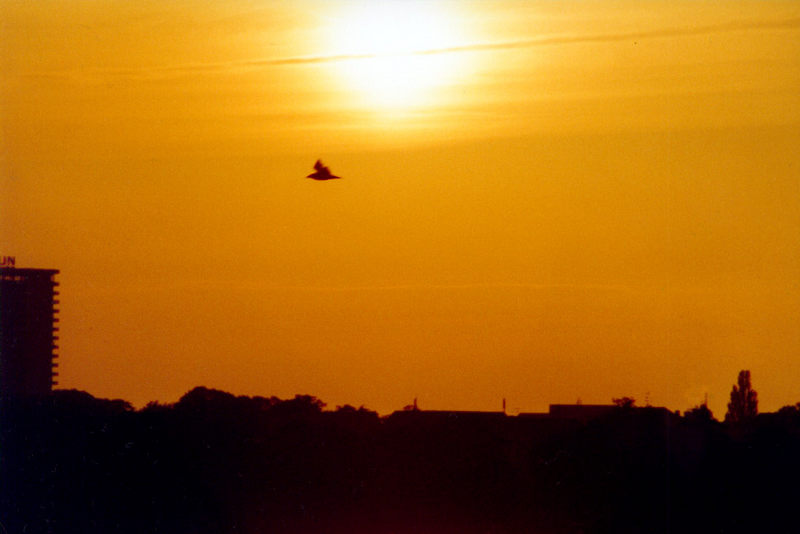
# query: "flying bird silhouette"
322,172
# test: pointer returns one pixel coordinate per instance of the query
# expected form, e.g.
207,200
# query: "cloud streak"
546,40
550,40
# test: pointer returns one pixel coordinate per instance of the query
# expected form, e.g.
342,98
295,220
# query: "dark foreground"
214,463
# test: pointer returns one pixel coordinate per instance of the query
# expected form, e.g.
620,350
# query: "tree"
700,414
744,400
790,409
624,402
790,413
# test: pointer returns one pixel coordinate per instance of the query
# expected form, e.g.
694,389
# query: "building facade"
29,331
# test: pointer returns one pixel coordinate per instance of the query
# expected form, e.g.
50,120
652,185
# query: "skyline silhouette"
215,462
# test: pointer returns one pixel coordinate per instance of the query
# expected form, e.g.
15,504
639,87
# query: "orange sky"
542,201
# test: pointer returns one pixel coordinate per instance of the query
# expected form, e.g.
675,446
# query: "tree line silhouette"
218,463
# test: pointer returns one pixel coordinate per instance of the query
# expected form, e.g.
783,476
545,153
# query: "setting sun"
391,50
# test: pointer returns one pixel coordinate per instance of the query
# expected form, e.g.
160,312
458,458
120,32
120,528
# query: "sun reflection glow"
393,45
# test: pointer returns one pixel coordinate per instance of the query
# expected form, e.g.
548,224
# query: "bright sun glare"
391,43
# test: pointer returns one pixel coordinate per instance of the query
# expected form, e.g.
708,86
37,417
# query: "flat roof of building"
17,271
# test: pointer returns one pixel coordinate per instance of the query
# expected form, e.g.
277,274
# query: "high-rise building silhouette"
28,299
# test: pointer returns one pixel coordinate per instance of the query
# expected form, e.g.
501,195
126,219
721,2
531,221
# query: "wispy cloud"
544,40
547,40
250,285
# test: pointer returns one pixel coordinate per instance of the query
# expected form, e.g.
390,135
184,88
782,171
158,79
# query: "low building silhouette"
28,298
448,415
581,412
